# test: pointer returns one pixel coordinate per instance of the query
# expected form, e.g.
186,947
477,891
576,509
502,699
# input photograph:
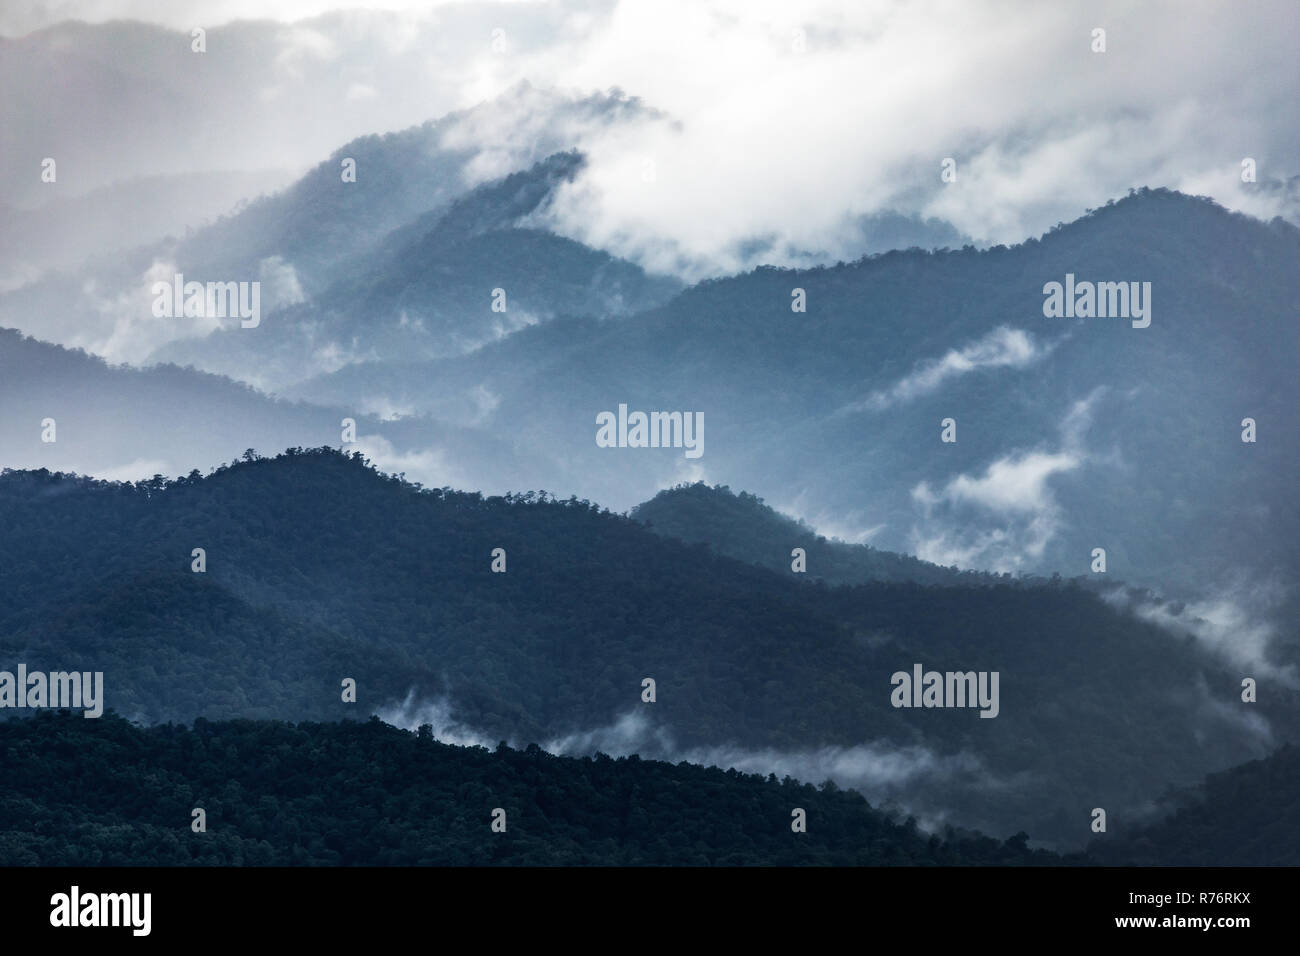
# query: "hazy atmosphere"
893,402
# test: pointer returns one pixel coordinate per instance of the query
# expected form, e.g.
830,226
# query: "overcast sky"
780,121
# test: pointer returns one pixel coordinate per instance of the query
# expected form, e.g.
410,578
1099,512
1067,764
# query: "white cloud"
1002,348
909,778
411,712
1236,623
429,466
384,408
758,139
280,285
302,43
881,770
1003,519
121,326
1014,484
836,525
784,143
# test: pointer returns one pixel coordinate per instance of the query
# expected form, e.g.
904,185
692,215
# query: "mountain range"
934,472
318,569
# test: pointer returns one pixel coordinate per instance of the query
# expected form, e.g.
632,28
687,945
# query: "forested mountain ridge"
356,794
743,526
352,793
124,422
319,569
1070,433
390,249
442,283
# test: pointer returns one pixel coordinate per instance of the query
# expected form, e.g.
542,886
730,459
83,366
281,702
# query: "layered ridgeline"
276,793
318,569
69,411
1070,433
744,527
443,283
349,794
391,248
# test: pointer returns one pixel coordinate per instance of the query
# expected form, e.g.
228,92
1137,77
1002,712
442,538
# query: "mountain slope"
105,793
1248,815
323,230
1071,434
117,421
752,667
430,288
743,527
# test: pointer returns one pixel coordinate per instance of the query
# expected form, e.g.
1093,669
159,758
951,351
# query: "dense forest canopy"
355,794
320,568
